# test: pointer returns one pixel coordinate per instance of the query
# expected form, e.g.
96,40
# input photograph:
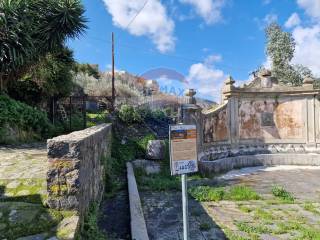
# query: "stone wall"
76,168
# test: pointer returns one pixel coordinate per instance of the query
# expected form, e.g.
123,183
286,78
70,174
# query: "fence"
72,111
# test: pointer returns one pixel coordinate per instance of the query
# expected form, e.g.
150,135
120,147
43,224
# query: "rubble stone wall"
75,177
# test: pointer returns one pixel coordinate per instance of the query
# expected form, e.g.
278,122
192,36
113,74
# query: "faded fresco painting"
271,119
215,127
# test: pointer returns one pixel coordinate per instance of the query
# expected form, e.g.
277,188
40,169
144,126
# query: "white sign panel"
183,149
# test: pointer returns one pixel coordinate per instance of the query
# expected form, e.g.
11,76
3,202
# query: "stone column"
191,114
233,118
310,109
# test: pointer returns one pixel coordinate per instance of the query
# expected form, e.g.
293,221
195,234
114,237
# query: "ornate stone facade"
261,117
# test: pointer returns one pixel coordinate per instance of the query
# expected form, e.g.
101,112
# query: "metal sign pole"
183,160
185,206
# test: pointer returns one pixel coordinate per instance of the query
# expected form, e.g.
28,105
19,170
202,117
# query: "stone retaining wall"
75,177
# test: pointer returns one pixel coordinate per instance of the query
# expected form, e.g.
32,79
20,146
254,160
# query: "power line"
186,59
132,20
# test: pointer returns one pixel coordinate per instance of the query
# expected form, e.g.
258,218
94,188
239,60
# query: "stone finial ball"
308,80
265,73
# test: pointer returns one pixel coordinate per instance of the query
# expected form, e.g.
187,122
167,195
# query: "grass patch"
282,194
249,228
242,193
157,182
206,193
308,206
304,232
262,214
232,236
236,193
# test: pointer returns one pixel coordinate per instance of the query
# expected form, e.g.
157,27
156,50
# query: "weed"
206,193
262,214
90,228
204,227
282,194
232,236
308,206
249,228
244,208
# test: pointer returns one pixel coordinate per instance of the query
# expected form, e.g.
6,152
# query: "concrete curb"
138,224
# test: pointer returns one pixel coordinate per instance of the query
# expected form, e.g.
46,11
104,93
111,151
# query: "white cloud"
312,7
206,78
293,20
153,21
307,50
270,18
209,10
211,59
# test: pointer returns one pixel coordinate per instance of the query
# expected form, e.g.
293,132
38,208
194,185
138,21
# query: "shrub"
158,115
128,114
142,144
282,194
19,115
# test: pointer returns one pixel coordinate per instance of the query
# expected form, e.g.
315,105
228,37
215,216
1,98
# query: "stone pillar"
311,133
265,76
191,114
308,83
233,118
227,89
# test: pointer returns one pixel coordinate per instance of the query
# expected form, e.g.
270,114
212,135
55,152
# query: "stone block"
156,150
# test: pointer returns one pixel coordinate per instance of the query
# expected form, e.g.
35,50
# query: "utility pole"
113,88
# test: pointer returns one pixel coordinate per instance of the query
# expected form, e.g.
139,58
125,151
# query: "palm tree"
29,29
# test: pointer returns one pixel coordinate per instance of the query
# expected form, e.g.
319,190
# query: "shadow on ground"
163,214
23,216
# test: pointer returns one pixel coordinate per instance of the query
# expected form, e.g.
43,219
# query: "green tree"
51,76
280,48
30,29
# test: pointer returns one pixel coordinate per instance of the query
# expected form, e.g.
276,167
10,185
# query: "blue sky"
204,40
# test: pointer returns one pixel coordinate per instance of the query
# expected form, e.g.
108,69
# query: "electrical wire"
134,18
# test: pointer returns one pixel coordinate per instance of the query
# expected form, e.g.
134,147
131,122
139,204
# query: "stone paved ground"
23,215
268,218
163,214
